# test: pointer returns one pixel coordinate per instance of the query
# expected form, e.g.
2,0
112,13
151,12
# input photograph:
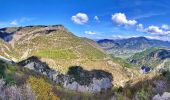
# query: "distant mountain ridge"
125,48
133,43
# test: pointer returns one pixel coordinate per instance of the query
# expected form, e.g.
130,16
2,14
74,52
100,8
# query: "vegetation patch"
56,54
42,89
7,72
122,62
84,77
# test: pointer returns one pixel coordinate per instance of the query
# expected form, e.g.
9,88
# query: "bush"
143,94
42,89
7,72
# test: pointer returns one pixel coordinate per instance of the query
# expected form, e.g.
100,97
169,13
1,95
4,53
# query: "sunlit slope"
61,49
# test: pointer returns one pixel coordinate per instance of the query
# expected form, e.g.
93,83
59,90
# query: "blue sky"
94,19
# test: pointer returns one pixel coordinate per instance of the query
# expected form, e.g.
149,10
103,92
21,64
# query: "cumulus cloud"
153,30
90,32
96,18
165,27
120,19
14,22
80,18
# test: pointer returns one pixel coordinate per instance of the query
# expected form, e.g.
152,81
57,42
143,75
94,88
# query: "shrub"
142,94
7,72
42,89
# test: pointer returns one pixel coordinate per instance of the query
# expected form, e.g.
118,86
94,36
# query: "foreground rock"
164,96
76,79
96,86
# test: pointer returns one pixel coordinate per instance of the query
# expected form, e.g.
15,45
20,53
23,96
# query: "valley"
105,69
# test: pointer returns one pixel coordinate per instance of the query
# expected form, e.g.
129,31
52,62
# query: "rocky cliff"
76,79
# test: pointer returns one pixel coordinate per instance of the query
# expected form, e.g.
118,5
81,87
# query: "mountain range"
125,48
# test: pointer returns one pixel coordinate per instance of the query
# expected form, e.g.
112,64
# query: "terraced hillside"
60,49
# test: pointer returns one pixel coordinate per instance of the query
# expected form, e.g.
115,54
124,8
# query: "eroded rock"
76,79
164,96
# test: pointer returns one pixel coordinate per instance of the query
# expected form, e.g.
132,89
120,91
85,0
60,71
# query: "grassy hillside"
124,63
60,49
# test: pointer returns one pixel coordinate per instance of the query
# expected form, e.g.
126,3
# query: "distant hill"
128,47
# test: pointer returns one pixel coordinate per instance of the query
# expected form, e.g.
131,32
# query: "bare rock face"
160,86
33,63
165,96
76,79
8,33
88,81
96,86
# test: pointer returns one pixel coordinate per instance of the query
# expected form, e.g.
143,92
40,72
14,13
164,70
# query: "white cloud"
14,22
90,32
80,18
96,18
120,19
165,27
152,30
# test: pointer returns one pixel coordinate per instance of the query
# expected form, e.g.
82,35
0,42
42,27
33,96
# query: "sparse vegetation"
122,62
42,89
7,72
56,54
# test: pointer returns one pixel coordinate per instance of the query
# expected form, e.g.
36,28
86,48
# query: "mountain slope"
43,38
60,49
153,57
